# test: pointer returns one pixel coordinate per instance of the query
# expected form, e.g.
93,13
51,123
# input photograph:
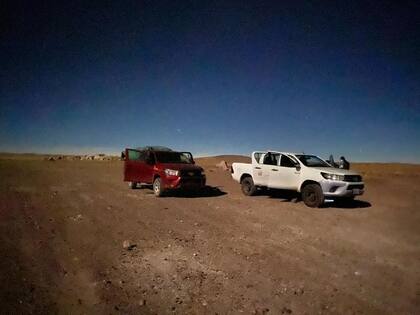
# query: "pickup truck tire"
132,185
248,187
157,187
312,195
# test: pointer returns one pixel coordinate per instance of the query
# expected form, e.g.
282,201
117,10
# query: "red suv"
163,168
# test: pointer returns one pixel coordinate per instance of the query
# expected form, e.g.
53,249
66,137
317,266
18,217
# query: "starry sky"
212,77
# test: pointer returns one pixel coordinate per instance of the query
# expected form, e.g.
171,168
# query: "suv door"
138,166
285,176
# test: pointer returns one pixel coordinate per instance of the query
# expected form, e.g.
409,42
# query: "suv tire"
312,195
157,187
248,187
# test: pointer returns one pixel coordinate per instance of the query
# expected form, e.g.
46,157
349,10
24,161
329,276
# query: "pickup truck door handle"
274,169
257,168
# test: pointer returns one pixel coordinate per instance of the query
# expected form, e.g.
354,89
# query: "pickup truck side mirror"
297,167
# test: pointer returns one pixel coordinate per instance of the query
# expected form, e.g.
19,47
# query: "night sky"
216,78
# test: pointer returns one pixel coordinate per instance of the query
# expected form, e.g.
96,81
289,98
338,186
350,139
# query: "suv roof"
154,148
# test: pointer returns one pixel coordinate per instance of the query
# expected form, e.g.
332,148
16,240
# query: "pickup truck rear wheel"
248,187
312,195
157,187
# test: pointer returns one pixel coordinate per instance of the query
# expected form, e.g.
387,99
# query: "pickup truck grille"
352,178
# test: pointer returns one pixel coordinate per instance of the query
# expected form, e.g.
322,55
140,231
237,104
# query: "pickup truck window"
257,156
272,158
285,161
312,161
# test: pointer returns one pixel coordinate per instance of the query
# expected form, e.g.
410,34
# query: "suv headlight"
332,176
170,172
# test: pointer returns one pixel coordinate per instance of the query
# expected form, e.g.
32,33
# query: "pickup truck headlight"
170,172
332,176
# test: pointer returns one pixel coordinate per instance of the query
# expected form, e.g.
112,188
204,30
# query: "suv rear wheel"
248,187
157,187
312,195
132,185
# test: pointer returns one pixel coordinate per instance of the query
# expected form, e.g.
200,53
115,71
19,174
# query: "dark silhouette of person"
343,163
331,161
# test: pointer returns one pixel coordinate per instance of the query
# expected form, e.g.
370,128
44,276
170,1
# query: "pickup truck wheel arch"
307,182
243,176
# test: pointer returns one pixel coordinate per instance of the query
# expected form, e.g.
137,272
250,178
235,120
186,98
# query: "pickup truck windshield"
172,157
312,161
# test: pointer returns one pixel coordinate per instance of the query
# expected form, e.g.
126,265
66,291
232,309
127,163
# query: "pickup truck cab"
309,175
163,168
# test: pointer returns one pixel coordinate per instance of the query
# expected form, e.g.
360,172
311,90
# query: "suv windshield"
312,161
172,157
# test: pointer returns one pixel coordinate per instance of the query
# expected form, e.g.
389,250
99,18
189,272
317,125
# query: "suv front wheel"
312,195
157,187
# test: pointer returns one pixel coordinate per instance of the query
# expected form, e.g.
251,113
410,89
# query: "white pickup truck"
309,175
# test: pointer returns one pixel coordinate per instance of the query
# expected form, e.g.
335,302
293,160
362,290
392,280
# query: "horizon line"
196,156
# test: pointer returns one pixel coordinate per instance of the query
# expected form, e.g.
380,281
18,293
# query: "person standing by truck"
343,163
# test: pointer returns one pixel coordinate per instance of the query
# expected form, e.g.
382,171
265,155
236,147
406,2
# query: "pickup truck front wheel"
312,195
248,187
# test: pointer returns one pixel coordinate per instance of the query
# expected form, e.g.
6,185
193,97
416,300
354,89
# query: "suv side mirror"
297,167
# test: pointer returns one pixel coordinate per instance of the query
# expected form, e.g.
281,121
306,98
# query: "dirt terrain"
63,224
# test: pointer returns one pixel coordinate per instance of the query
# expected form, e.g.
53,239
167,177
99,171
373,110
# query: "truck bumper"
340,189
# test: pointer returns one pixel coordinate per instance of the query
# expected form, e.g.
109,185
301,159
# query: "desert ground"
63,225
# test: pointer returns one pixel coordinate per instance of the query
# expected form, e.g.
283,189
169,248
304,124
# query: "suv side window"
134,155
286,161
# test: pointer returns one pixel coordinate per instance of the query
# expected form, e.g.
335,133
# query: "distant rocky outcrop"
223,165
88,157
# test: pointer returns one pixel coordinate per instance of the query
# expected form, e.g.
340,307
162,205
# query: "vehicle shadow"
347,204
293,196
208,191
285,195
